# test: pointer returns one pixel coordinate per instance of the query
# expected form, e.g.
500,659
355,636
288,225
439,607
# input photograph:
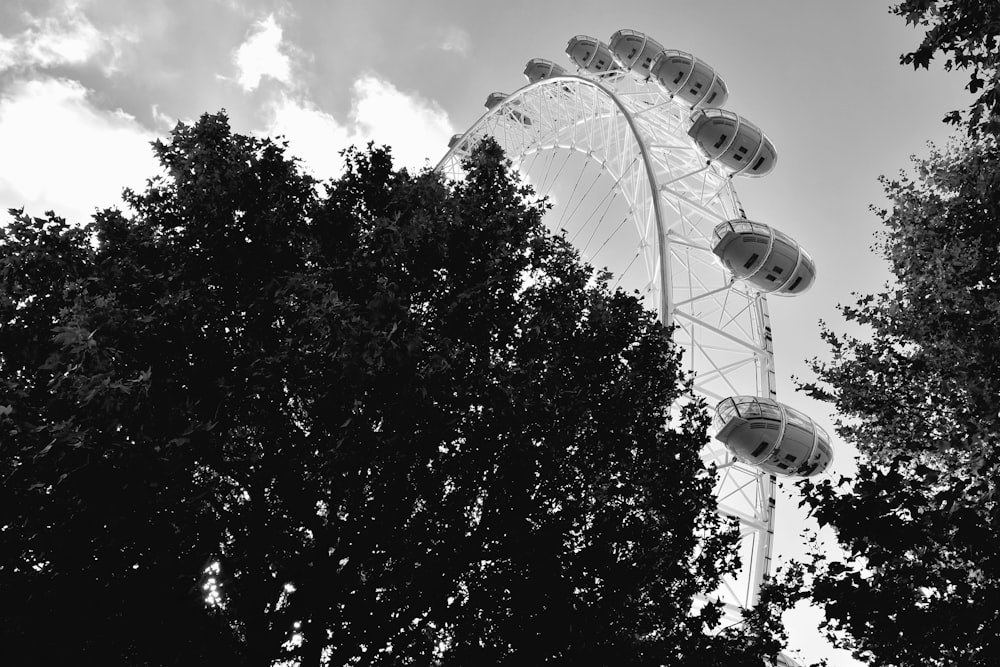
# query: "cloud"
416,129
161,119
455,40
60,152
260,55
313,135
64,37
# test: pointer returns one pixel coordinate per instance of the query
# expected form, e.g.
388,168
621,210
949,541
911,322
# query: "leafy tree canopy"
920,523
395,423
966,33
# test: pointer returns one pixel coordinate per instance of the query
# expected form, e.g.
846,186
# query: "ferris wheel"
639,160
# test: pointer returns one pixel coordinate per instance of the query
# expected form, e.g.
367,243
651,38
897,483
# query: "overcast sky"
84,86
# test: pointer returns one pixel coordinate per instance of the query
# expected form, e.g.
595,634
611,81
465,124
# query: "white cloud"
313,135
260,55
161,119
415,128
62,153
64,37
456,40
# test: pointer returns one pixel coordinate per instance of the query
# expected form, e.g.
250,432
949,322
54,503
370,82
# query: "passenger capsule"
689,78
735,142
494,99
634,51
455,138
772,436
764,257
591,54
540,68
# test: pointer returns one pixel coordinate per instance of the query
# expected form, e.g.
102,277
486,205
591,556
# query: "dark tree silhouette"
966,33
395,423
920,523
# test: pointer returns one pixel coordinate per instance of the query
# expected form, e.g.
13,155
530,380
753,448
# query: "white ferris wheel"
639,159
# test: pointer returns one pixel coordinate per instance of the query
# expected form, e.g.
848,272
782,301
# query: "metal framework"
635,195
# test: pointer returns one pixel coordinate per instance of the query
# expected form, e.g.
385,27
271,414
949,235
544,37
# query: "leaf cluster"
395,423
918,398
966,33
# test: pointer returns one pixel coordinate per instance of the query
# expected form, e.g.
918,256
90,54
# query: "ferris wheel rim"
761,349
666,306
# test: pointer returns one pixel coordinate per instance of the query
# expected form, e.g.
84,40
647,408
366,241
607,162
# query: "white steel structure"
636,196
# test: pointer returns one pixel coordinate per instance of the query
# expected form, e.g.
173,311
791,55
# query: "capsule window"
756,165
749,262
770,412
771,278
778,270
680,75
789,457
600,63
743,149
783,466
718,144
760,449
728,409
797,418
795,283
710,98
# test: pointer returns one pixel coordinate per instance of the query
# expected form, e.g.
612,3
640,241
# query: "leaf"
350,382
916,397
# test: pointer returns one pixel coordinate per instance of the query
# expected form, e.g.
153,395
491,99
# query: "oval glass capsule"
540,68
634,51
732,141
691,79
763,256
591,54
772,436
494,99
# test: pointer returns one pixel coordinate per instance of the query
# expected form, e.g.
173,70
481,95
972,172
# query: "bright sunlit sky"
84,86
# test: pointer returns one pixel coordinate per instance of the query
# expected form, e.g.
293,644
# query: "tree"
396,423
918,397
966,32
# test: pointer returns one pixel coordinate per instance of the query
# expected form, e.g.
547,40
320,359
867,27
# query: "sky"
85,85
